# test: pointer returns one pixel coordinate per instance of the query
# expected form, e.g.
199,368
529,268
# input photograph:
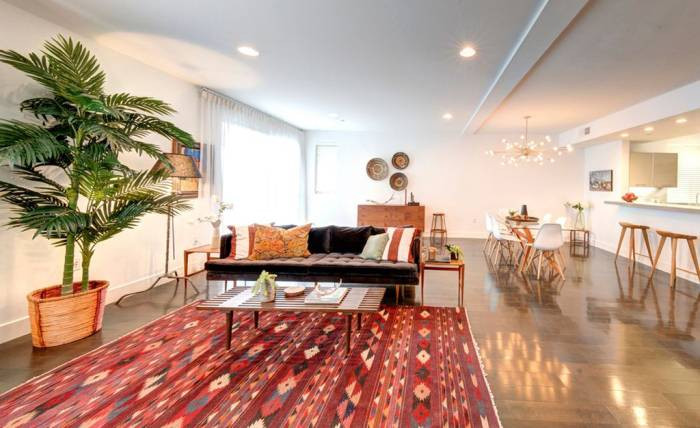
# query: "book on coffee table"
334,298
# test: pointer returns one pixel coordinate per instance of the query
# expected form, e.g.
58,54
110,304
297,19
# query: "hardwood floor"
607,347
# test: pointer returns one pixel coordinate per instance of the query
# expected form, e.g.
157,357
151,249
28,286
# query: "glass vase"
580,222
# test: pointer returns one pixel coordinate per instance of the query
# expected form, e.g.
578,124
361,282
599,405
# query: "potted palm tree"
71,186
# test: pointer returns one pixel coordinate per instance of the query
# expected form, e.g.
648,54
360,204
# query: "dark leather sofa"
334,255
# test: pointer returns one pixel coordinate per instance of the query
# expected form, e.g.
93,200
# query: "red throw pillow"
399,247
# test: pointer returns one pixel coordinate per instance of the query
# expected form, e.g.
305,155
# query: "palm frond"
64,65
26,144
47,185
32,65
52,222
74,66
27,198
133,104
141,125
45,108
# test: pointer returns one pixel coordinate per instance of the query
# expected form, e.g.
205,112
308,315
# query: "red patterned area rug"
408,367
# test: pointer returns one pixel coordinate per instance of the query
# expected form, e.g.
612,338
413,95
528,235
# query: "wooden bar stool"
632,228
438,230
690,239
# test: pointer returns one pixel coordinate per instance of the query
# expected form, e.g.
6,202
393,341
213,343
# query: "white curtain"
253,160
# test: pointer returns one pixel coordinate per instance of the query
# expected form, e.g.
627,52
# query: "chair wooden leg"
658,254
557,266
488,241
619,244
674,249
539,264
396,288
632,255
645,235
561,259
694,255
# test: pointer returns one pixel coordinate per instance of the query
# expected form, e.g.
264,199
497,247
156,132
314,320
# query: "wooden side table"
579,239
202,249
453,265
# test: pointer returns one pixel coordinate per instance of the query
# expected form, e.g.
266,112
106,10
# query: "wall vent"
587,130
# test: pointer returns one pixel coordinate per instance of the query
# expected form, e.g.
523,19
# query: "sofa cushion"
274,242
349,239
374,248
320,240
351,264
282,266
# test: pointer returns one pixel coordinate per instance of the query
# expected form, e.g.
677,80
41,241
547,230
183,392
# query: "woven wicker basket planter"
57,320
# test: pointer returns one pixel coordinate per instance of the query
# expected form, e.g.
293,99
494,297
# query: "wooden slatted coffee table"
358,300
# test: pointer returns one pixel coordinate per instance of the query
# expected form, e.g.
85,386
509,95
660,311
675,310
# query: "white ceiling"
614,54
394,64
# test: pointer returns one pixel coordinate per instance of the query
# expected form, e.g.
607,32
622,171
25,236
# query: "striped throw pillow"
242,240
399,247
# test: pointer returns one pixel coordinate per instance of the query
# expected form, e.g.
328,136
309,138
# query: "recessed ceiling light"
681,120
467,52
248,51
649,129
447,116
624,135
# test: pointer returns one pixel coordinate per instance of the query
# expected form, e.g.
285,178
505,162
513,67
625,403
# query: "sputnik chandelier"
528,151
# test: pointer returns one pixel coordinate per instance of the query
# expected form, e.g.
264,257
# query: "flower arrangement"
215,220
580,222
266,286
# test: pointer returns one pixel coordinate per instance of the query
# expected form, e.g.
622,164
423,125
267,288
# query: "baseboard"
19,327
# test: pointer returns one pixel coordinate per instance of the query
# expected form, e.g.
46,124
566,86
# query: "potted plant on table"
455,252
265,286
72,187
579,207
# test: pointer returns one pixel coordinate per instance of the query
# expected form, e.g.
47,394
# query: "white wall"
133,258
613,155
447,173
603,219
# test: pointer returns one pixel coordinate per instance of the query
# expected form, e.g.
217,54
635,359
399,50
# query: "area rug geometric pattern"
408,367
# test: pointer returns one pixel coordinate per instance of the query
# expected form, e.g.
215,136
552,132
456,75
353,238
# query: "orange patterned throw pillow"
273,242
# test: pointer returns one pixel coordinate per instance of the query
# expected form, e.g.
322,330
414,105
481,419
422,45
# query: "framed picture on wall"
600,181
189,186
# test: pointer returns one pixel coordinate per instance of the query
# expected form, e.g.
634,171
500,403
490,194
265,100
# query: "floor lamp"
181,166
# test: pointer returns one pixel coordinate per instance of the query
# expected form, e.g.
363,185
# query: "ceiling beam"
548,21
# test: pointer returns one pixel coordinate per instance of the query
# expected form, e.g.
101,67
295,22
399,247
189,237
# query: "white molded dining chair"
547,244
502,241
489,226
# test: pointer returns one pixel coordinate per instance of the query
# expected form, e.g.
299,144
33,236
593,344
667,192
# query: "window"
326,168
262,177
688,178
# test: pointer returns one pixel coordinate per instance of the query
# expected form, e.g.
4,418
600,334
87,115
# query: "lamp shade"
183,166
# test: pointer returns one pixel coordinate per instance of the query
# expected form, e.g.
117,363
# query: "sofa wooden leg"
396,289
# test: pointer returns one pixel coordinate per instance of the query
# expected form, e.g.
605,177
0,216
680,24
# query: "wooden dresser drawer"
391,215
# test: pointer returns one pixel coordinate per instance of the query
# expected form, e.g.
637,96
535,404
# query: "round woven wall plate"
398,181
377,169
400,160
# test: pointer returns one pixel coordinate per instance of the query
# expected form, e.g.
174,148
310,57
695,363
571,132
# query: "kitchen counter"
658,206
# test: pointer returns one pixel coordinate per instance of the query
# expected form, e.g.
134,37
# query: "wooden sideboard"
391,215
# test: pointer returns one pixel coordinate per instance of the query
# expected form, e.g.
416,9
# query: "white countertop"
658,206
